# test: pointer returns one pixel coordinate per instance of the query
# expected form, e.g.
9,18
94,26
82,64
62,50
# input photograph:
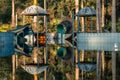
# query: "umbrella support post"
35,77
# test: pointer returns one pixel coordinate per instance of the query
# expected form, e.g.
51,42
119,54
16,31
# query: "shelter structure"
34,69
36,11
86,12
86,66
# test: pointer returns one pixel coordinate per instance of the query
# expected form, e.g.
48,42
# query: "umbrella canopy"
34,11
34,69
87,66
87,11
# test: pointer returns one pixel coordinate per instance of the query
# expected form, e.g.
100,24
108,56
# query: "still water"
55,61
57,64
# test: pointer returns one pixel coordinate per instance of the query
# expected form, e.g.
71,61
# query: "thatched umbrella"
86,11
87,66
34,69
34,11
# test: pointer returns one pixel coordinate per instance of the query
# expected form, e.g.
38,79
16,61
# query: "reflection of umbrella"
87,11
34,11
87,66
34,69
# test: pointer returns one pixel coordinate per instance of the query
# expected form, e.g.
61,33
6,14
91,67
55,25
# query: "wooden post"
35,77
35,2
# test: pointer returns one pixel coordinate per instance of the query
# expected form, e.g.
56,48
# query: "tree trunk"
76,10
76,66
103,63
13,67
103,24
113,30
13,25
13,13
45,16
82,19
76,52
45,61
98,14
82,30
103,13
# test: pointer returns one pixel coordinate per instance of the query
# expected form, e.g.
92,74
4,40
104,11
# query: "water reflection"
59,66
56,64
54,61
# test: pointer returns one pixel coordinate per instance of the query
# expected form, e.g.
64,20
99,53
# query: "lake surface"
55,61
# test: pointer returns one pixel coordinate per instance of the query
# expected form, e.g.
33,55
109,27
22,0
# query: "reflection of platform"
98,41
6,44
55,38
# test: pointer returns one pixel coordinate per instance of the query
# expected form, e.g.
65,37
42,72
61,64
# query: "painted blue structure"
98,41
11,42
6,44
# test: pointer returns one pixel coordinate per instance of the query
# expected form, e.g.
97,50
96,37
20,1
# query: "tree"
103,55
13,25
113,30
98,14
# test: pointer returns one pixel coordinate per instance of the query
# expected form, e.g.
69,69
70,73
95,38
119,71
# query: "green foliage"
53,24
118,26
108,27
4,27
5,68
5,11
